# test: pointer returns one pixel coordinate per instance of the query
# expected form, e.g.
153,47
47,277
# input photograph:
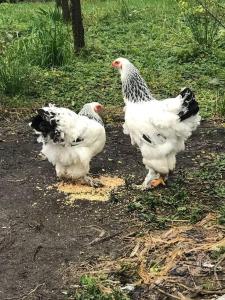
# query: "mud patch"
80,191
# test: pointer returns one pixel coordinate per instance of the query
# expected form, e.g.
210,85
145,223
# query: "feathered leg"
152,175
153,179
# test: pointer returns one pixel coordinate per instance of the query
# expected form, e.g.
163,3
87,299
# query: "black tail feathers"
190,105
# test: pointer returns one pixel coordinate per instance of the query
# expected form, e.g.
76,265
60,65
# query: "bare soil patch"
42,239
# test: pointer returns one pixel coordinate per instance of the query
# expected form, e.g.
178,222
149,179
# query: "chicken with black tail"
71,140
158,128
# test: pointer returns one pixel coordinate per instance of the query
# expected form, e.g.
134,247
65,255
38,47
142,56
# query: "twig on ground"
198,291
97,239
22,297
182,297
192,278
96,228
167,294
101,240
213,292
182,285
215,269
135,250
219,261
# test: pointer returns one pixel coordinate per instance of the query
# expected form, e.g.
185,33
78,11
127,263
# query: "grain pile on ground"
79,191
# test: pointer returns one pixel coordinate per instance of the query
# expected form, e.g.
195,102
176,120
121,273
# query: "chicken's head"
93,107
97,107
120,63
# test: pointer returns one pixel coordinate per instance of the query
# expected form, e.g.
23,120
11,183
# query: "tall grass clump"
15,75
124,9
203,19
220,105
49,44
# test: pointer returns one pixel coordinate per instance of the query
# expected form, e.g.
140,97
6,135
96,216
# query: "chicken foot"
92,182
153,179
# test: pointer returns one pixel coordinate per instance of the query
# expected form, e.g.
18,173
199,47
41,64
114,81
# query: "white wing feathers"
69,140
156,128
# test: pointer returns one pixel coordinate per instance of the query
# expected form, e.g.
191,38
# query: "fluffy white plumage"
159,128
70,140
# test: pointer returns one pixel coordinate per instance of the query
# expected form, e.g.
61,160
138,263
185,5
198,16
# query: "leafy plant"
124,9
221,218
203,24
213,170
93,289
49,44
53,14
220,105
14,75
216,254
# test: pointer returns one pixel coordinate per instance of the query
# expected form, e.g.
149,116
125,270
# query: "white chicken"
158,128
71,140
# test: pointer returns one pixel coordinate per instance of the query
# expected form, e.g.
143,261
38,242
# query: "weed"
201,21
15,75
196,214
179,202
213,170
124,9
216,254
93,288
220,105
50,40
221,218
53,14
154,267
160,208
220,190
208,285
127,273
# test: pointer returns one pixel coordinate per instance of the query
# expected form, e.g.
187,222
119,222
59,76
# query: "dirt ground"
41,237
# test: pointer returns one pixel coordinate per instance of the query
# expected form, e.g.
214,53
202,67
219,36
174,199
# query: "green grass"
14,75
168,206
97,289
194,194
149,33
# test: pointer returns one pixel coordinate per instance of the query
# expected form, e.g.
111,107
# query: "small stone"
179,271
128,287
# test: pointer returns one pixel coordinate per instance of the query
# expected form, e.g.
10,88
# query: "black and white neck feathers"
134,87
88,111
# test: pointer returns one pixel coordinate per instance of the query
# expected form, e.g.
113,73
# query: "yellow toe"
156,182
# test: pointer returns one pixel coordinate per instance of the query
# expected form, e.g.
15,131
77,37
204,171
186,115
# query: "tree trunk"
77,25
65,10
58,3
